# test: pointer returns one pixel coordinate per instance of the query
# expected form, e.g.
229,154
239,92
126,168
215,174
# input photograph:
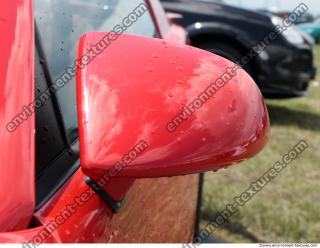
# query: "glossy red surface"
150,213
17,170
126,95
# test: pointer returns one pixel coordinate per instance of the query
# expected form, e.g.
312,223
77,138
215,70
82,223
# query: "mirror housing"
150,108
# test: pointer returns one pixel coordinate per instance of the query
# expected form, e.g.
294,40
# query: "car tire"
227,51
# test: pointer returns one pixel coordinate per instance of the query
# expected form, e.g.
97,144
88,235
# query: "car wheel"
227,51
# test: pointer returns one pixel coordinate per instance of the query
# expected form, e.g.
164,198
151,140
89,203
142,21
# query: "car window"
55,160
49,139
60,25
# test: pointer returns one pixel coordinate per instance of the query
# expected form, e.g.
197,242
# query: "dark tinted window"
49,139
61,23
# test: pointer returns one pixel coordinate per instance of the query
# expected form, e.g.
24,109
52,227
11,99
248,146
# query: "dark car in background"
283,69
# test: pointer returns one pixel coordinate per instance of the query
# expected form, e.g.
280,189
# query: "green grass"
317,53
288,208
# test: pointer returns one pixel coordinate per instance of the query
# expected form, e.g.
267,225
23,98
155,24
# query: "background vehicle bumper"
288,71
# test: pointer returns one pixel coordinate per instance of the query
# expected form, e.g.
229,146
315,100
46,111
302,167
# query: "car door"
62,207
68,206
67,209
17,134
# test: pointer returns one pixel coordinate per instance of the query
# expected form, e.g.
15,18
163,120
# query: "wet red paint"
155,210
117,109
17,192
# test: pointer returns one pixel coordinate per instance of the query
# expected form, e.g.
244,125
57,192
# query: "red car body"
94,221
156,210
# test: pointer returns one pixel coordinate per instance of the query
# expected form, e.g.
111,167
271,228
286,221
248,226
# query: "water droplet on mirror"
183,103
179,81
232,107
153,131
204,139
179,140
164,44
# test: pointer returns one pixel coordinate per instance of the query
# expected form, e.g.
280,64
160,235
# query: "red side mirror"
145,109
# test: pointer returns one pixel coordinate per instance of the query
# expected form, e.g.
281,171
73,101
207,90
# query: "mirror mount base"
114,205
